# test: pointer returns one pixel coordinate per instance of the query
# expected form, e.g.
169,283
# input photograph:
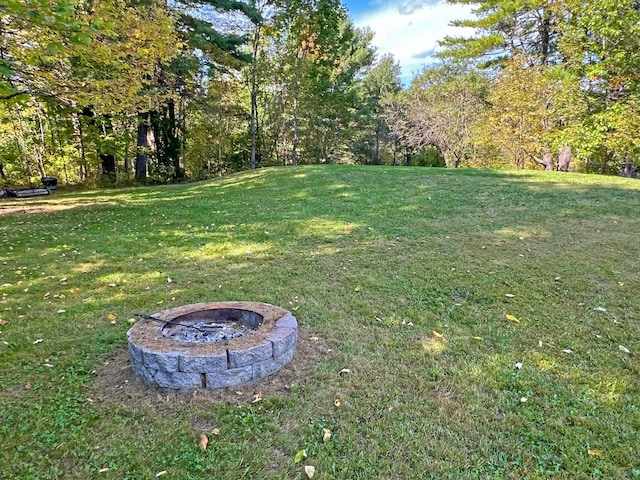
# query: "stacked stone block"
184,371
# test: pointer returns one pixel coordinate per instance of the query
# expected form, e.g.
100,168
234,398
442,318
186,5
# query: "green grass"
376,263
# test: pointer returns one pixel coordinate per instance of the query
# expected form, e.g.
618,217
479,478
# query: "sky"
409,29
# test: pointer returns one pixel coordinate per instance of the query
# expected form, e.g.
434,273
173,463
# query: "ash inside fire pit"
217,325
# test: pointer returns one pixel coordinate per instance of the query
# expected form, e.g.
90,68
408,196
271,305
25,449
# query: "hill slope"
485,318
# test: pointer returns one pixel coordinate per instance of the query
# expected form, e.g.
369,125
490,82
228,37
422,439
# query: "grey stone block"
286,357
242,358
165,361
283,339
271,366
135,353
203,363
288,321
178,380
229,378
145,374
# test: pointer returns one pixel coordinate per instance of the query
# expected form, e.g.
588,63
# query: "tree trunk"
376,153
294,150
42,151
142,147
77,133
173,139
564,158
254,97
547,161
108,160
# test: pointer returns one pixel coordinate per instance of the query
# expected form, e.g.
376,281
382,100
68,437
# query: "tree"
376,90
439,110
504,29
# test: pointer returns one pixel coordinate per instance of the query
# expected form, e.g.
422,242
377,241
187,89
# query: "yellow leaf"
512,318
437,334
204,441
336,402
358,288
326,434
111,316
478,338
594,452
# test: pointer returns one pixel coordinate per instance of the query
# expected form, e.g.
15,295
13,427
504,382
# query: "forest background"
111,92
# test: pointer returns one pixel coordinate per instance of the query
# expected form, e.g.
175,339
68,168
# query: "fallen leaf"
326,434
37,340
358,288
215,431
257,397
518,365
624,349
437,334
204,441
48,365
27,386
239,392
111,316
159,474
344,370
103,470
336,402
509,295
63,279
310,470
600,309
299,456
3,322
62,310
478,338
594,452
112,285
567,350
523,399
169,280
513,318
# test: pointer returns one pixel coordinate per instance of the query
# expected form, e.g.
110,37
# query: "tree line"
119,91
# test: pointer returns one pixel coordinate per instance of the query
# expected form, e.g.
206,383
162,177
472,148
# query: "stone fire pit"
212,345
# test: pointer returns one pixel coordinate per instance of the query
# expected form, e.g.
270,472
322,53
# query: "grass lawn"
489,321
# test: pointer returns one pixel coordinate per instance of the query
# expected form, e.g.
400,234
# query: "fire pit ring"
221,345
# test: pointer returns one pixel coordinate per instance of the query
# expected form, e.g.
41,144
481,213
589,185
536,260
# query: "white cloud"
410,30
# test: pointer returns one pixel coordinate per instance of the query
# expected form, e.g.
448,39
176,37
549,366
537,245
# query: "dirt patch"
22,207
117,386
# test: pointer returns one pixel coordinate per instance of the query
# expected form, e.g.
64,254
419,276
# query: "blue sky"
409,29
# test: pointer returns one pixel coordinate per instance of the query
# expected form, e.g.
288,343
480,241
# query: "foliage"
564,76
439,110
